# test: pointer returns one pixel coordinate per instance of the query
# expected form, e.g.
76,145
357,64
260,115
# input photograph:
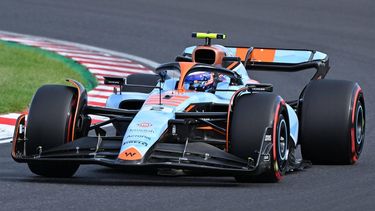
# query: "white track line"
109,88
6,141
106,72
102,93
114,64
10,115
105,58
60,50
97,61
112,68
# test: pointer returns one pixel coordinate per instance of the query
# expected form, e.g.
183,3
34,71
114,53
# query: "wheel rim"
359,127
282,140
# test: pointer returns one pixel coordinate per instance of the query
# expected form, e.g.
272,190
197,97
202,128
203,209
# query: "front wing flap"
197,156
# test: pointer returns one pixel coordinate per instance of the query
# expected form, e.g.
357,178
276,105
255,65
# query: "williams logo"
144,124
130,154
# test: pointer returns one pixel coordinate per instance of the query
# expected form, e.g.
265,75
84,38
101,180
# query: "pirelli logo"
130,154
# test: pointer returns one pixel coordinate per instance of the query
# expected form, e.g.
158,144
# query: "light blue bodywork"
152,120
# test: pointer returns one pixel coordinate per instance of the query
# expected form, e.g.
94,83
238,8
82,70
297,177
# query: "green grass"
24,69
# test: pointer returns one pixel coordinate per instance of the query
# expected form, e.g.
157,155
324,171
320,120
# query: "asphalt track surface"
159,30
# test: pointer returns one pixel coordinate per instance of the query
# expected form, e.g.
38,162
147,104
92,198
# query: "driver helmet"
199,81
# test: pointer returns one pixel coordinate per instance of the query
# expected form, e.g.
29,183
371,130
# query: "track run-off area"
98,62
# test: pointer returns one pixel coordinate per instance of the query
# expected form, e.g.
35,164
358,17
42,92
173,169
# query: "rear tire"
252,115
332,122
49,125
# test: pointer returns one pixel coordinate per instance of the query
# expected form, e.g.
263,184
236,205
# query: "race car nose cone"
130,154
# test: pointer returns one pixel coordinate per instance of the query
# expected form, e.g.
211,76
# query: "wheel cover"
359,128
282,141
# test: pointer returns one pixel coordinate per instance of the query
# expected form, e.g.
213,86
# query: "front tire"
49,125
253,114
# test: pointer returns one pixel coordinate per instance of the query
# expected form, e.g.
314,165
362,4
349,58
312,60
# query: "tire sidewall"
326,113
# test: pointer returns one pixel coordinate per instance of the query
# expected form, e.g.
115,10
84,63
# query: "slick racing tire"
141,79
252,116
332,122
49,125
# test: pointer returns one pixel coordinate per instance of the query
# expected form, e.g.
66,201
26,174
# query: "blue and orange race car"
201,113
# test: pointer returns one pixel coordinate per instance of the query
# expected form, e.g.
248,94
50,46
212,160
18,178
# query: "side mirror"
259,87
115,81
163,75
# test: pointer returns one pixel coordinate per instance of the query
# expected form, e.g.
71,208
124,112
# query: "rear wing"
286,60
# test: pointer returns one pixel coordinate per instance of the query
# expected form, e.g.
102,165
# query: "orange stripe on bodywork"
232,66
241,52
72,124
173,97
210,128
228,116
189,108
130,154
163,103
172,101
263,55
184,68
15,134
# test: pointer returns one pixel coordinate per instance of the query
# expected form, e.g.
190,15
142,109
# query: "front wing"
196,156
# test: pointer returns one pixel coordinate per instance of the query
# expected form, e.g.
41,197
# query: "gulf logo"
144,124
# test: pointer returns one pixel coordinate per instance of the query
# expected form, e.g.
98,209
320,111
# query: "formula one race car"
202,113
